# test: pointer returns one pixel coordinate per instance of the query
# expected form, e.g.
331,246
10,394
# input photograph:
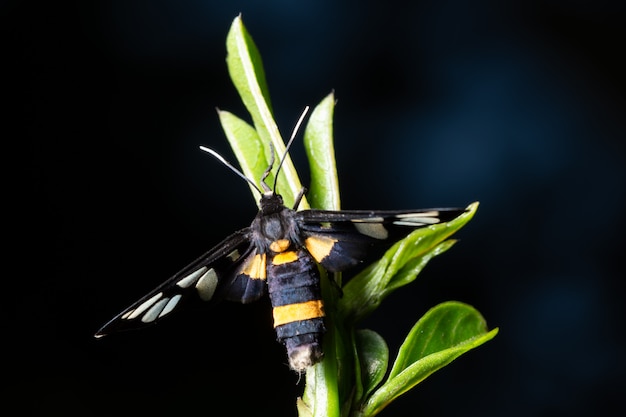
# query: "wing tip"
101,332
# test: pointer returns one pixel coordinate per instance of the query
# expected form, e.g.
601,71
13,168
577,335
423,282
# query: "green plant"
353,378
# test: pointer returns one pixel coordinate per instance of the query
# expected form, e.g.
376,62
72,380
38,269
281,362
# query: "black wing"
222,272
341,239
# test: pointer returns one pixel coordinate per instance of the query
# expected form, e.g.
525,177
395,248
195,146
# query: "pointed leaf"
445,325
246,71
318,142
247,74
247,146
398,266
323,390
444,333
413,267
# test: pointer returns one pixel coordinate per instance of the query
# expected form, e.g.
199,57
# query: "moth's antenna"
229,165
293,136
266,173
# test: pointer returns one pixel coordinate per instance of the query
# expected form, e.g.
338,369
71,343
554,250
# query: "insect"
279,254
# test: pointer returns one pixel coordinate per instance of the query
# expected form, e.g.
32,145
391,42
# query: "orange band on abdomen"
298,312
285,258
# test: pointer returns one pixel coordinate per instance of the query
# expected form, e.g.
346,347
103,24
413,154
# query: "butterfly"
279,254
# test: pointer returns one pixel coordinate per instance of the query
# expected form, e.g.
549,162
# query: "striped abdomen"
294,286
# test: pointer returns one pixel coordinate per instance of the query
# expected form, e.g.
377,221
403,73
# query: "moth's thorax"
274,227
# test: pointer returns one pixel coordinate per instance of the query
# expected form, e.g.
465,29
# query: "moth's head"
271,202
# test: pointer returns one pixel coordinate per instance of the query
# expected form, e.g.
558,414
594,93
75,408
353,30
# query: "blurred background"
519,105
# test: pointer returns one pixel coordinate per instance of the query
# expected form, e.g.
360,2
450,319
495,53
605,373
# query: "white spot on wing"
206,285
190,279
154,311
143,307
369,220
234,255
375,230
170,305
417,219
410,224
432,213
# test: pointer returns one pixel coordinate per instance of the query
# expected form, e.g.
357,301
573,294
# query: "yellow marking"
319,247
285,258
298,312
256,267
280,245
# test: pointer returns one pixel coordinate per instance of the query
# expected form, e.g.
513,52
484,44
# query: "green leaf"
414,266
373,355
322,391
247,146
443,334
247,74
318,143
446,325
246,71
321,397
324,194
398,266
245,67
303,408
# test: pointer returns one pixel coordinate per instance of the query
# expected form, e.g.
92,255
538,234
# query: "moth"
279,254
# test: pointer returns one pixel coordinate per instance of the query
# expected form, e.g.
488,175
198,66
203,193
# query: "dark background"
517,104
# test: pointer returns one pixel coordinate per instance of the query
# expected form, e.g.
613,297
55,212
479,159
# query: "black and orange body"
293,282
